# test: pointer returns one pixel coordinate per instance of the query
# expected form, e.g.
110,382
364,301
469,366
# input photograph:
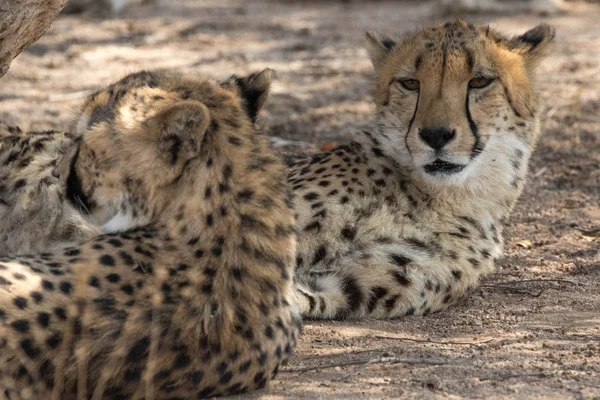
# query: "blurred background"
321,96
323,74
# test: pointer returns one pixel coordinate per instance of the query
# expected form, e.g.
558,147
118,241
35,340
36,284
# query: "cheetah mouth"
443,167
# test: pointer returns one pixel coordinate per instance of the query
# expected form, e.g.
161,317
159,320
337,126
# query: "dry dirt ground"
531,331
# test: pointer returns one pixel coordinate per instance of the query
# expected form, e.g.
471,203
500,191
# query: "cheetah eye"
410,84
479,82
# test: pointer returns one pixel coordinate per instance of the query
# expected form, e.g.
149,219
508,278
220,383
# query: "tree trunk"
22,22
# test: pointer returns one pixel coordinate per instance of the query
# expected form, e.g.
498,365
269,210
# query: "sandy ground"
531,331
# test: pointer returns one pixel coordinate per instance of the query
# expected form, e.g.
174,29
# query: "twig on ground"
377,360
506,377
540,172
433,341
509,286
394,360
531,281
521,291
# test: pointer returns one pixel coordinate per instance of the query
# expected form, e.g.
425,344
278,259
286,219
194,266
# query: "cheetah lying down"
197,222
407,218
35,216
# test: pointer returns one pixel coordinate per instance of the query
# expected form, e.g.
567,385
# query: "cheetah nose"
437,137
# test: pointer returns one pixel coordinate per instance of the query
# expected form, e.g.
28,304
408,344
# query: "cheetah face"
148,136
452,97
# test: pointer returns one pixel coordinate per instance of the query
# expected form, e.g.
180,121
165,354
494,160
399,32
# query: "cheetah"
35,218
407,219
188,291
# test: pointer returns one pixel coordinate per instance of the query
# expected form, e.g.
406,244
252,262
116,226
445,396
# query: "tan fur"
166,305
380,236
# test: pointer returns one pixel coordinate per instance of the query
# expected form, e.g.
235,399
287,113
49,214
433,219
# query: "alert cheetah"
190,295
408,218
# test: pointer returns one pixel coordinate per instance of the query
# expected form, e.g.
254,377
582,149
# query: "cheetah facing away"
167,305
407,219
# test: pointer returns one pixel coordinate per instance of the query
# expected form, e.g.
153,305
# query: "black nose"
437,137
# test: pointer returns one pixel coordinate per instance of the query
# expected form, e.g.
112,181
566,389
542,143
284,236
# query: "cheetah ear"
534,44
378,46
254,89
179,130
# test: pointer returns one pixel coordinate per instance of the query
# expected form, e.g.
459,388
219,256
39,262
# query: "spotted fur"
408,218
33,212
189,295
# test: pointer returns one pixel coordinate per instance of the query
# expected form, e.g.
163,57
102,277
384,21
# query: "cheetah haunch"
191,295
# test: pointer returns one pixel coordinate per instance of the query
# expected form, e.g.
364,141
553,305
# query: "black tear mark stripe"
74,190
477,147
412,119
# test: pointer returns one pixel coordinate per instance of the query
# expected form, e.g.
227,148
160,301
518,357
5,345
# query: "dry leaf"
526,244
327,146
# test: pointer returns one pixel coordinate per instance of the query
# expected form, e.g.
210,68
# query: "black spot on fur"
20,302
313,226
60,313
377,293
348,233
43,318
139,350
401,278
30,348
354,295
21,325
54,341
65,287
107,260
311,196
390,303
456,274
320,254
399,260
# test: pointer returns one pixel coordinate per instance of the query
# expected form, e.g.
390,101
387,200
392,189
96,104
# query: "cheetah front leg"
384,281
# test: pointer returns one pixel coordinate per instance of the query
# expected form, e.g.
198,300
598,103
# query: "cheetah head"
150,138
458,97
